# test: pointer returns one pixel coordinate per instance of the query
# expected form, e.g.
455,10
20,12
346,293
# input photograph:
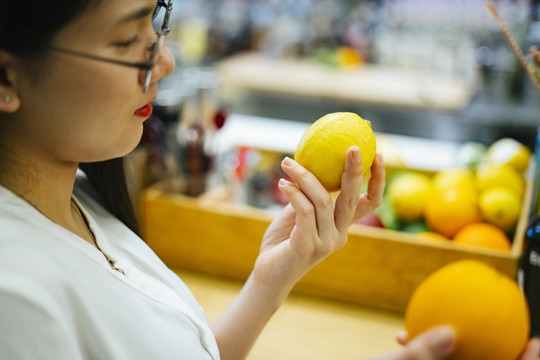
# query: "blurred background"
455,43
429,69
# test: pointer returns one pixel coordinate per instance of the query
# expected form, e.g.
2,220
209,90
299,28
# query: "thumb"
434,344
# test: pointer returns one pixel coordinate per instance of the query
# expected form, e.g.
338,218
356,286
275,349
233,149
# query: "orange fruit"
483,235
487,310
450,209
323,146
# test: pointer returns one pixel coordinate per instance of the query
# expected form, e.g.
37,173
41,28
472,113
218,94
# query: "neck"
48,189
40,171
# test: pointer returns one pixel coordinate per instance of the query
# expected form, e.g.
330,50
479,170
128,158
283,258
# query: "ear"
9,97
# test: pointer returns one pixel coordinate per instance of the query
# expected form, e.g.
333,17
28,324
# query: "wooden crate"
377,267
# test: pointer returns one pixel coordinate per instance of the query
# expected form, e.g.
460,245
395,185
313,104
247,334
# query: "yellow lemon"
508,151
323,146
408,195
453,178
502,175
487,310
500,206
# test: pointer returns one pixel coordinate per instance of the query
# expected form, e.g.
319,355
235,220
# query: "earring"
7,99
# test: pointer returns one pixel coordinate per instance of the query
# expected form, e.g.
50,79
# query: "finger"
351,182
402,337
280,228
315,192
374,195
434,344
304,209
532,350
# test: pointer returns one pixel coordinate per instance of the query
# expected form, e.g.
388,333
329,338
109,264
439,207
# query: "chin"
119,149
132,141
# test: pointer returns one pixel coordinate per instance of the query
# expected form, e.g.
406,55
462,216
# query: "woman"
77,78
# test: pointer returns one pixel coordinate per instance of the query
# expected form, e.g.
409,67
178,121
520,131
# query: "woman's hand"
437,344
310,228
532,350
434,344
305,232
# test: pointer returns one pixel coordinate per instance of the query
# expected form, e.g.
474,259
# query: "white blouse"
60,299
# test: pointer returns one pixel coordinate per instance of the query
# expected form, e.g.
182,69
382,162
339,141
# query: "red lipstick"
145,111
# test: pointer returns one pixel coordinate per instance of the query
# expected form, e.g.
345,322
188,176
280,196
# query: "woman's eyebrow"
136,15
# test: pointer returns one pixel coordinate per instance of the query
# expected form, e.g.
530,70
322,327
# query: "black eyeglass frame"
154,48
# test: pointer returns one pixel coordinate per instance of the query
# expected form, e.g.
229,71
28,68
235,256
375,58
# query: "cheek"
90,110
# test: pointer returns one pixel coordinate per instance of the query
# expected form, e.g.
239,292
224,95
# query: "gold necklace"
75,206
111,261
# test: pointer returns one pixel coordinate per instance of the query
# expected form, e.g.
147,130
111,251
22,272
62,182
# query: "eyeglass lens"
159,17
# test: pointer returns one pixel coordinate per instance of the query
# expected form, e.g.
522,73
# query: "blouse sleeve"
32,326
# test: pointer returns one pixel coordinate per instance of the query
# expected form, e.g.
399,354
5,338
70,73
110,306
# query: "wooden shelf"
370,85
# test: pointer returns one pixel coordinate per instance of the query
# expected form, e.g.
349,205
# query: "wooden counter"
306,327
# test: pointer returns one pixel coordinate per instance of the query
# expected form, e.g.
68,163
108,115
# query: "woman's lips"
145,111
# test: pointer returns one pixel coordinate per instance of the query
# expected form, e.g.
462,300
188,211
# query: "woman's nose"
163,66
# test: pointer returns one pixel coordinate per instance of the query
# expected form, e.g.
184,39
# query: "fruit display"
487,310
476,203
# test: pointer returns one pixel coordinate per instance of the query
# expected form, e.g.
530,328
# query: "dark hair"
26,31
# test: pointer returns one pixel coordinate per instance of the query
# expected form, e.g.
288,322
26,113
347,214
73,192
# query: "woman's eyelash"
128,43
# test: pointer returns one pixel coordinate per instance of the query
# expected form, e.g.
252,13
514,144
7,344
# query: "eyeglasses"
161,31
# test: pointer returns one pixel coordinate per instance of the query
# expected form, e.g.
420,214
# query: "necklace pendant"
112,264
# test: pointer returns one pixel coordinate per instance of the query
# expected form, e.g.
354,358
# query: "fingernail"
357,156
287,162
283,182
402,334
444,338
380,158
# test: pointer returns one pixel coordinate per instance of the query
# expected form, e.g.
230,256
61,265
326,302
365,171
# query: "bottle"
529,272
191,137
528,275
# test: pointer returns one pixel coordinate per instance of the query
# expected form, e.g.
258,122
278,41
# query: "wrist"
269,287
